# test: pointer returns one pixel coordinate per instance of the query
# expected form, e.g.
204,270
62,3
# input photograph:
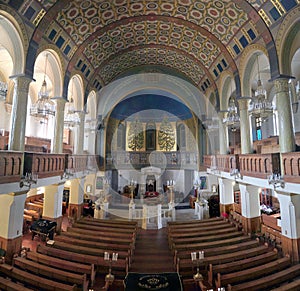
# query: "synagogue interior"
150,145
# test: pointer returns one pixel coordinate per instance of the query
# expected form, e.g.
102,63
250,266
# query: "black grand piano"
44,228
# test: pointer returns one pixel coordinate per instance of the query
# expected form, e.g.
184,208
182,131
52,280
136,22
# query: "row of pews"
232,260
72,260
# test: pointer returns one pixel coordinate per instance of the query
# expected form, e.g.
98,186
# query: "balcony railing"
143,159
44,165
291,167
259,165
10,166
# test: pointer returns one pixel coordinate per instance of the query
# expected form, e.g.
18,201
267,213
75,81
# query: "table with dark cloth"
44,228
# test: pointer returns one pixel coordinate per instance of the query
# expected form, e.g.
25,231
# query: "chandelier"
232,120
3,90
260,106
71,117
44,106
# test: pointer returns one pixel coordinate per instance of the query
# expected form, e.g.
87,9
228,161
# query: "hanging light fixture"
3,90
260,106
232,120
71,117
44,106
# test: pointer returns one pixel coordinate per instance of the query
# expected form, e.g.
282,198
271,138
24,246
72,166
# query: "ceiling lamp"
44,106
259,105
72,117
3,90
232,120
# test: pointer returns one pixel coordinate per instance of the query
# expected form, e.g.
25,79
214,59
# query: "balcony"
291,167
170,160
10,166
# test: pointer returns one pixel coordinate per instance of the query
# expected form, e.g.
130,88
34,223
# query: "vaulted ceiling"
105,40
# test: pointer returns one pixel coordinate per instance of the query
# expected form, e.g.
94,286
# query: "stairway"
152,254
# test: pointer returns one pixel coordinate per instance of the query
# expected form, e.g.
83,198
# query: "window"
244,42
258,128
236,49
274,13
288,4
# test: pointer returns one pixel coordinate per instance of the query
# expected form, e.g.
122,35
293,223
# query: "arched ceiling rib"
115,37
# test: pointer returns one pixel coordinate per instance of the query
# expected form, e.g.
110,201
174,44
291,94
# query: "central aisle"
152,254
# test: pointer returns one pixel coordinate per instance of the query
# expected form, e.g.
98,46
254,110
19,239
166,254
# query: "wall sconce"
67,174
276,180
28,180
236,173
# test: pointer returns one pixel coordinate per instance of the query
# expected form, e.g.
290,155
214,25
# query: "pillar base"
75,211
291,247
11,246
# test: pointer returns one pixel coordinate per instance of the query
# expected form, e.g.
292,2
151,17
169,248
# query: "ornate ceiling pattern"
151,56
103,38
143,33
82,18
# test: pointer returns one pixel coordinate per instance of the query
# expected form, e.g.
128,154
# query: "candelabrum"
196,187
28,180
109,278
236,173
106,184
276,180
171,185
197,260
132,186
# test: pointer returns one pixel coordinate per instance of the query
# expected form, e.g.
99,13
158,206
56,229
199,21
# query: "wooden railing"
224,163
44,165
10,166
77,163
291,167
259,165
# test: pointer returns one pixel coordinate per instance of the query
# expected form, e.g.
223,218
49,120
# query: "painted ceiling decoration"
106,39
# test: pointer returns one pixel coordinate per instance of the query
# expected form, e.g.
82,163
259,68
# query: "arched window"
121,137
181,138
150,136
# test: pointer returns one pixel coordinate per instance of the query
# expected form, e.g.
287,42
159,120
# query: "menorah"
197,260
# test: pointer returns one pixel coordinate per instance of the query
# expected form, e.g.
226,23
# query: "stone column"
223,134
226,195
290,224
19,113
80,137
11,227
285,123
57,145
250,208
76,198
53,197
245,126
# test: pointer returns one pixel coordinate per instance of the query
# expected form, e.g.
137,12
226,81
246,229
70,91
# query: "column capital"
244,102
281,77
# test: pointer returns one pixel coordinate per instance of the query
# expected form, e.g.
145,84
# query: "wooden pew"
104,228
291,286
8,285
120,267
33,280
123,224
182,254
189,222
52,273
125,240
62,264
211,237
193,246
90,248
117,232
252,273
240,264
183,266
268,282
93,238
